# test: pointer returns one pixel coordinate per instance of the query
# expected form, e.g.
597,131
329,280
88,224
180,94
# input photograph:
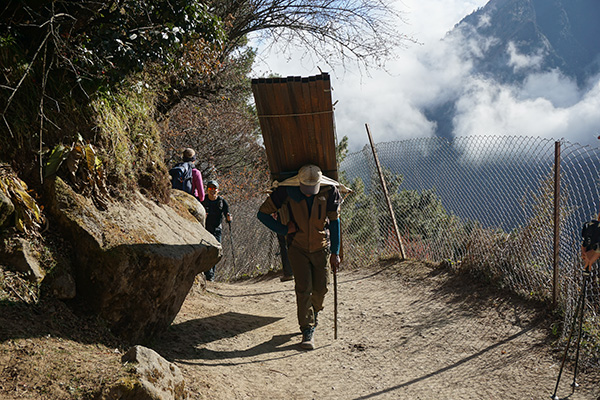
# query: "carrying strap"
290,236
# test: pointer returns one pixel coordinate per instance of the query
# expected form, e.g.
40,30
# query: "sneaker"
308,340
286,278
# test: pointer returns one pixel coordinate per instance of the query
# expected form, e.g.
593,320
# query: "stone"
63,287
192,204
135,261
152,378
20,256
7,209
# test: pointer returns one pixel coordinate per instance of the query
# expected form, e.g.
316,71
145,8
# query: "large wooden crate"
296,119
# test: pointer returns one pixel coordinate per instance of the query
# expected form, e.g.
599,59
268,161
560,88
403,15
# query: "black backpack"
591,235
181,176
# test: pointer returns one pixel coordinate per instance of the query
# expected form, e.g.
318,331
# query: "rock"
153,378
192,204
63,287
7,208
19,255
136,261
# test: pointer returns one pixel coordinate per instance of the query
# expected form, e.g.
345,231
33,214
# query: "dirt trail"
424,336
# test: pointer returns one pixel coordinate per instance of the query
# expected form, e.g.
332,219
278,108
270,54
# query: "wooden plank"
316,107
290,134
328,129
275,109
296,119
309,120
260,89
298,109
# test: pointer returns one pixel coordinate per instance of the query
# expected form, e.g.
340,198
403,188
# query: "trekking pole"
586,276
589,244
231,243
579,313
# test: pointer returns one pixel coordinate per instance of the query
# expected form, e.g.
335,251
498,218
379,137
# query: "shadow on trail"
272,347
291,288
217,327
181,342
451,366
395,267
251,294
361,278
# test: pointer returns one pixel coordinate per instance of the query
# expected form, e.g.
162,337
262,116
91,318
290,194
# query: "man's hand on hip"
291,227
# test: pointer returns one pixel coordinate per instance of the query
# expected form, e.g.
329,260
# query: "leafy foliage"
107,40
360,224
83,168
59,57
28,215
129,140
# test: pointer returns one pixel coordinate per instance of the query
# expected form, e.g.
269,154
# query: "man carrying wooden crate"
307,202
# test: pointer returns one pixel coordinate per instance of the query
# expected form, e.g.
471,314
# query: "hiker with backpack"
306,202
184,175
216,207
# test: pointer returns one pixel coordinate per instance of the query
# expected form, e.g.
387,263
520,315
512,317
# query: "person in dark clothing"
216,207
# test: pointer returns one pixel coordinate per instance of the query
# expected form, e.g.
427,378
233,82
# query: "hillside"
406,330
562,32
507,42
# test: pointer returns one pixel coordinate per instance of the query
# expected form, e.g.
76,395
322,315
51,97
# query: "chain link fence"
484,205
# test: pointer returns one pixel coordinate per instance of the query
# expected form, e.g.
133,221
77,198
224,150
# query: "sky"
547,105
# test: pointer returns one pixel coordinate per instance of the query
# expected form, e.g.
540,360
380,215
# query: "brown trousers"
311,276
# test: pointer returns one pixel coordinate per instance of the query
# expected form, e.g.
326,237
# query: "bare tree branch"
336,31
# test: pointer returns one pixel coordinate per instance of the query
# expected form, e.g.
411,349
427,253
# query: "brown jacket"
292,205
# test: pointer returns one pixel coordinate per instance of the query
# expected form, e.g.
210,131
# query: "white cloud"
560,90
523,61
484,21
375,109
547,104
487,108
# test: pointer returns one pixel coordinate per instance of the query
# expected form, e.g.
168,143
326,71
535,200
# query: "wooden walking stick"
335,302
335,288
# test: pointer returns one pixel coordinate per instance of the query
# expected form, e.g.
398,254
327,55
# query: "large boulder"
136,261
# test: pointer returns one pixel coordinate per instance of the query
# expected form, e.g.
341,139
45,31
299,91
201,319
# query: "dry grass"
49,352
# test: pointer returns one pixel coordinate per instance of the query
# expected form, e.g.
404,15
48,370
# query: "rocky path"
406,331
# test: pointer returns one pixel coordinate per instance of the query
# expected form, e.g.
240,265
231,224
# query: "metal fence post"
556,245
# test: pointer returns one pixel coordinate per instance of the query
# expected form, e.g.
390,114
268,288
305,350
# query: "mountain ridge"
565,31
507,41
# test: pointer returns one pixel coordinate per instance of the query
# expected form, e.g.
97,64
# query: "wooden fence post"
385,192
